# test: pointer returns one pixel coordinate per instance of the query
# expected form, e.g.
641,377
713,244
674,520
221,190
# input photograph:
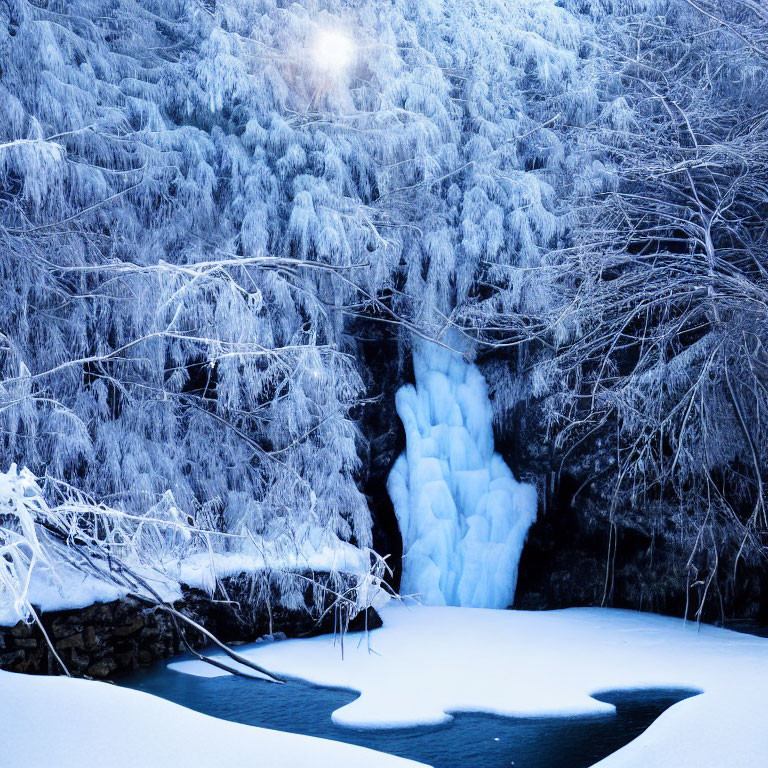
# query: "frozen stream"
428,662
471,740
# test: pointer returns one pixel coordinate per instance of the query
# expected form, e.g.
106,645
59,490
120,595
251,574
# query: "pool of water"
471,740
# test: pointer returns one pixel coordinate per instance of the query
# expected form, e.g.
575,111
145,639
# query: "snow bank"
431,661
55,721
162,547
59,589
305,550
59,586
462,514
726,729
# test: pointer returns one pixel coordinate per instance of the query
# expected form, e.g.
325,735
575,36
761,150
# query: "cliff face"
574,558
384,438
575,555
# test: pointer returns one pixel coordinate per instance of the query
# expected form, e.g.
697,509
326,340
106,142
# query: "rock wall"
97,641
576,555
110,639
383,432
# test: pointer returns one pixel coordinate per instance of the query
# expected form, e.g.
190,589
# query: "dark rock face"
576,555
95,641
566,562
384,435
573,558
109,639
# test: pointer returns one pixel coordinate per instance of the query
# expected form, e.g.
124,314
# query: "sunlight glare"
333,51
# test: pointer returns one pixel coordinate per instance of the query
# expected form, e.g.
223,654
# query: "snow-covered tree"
196,197
168,313
660,336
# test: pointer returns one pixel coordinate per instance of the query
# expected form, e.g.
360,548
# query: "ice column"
462,514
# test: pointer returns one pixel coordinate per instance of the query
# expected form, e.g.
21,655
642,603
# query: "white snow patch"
427,662
61,587
462,514
309,551
55,721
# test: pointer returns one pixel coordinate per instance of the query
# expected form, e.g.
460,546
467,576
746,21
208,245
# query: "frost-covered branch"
660,331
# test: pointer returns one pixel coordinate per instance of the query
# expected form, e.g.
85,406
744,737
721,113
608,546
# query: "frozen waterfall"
462,514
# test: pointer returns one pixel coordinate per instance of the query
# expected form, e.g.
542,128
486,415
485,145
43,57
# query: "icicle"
462,514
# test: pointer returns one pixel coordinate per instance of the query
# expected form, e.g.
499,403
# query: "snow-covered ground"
429,661
55,722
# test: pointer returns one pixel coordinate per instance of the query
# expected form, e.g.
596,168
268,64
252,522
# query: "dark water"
470,741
